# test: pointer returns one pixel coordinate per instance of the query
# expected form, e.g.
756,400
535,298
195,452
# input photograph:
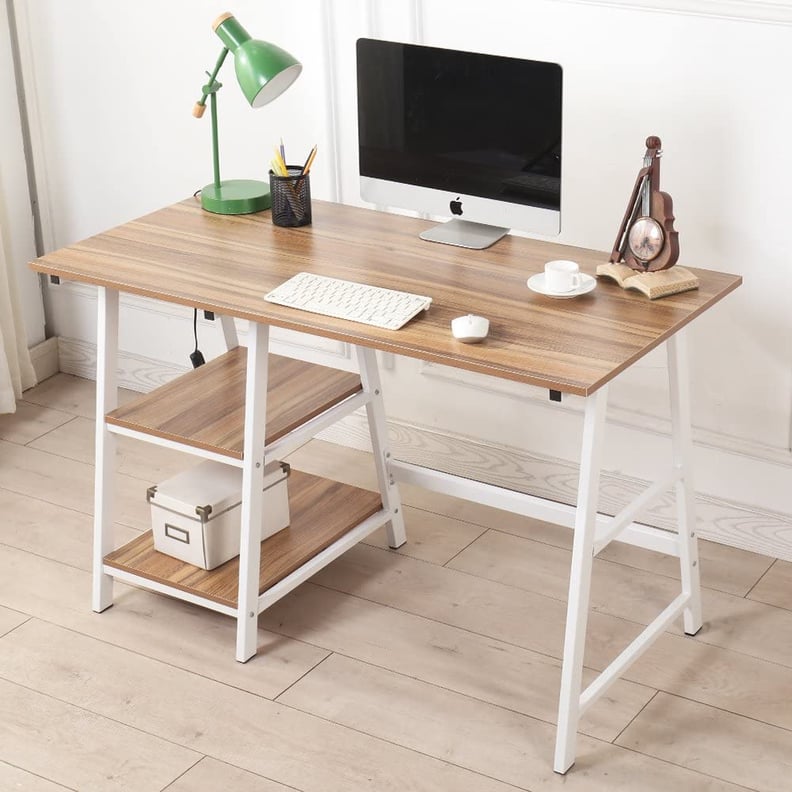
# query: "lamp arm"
211,87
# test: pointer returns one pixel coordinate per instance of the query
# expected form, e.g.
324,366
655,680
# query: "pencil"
308,162
281,170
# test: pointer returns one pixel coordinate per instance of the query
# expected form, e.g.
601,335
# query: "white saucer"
537,283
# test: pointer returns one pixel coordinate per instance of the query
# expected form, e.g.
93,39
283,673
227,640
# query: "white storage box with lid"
196,515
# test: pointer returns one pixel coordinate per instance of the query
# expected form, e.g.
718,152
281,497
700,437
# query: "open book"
653,284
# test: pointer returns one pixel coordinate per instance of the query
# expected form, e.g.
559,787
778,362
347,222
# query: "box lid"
209,488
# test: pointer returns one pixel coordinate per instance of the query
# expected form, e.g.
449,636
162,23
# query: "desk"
226,264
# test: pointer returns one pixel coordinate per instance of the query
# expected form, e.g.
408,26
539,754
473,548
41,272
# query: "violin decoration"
647,241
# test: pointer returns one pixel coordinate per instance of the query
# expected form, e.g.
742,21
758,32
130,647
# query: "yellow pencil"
282,169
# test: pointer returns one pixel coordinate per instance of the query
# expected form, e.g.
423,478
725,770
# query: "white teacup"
562,276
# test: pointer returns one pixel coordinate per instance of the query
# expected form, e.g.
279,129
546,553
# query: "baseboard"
737,525
45,359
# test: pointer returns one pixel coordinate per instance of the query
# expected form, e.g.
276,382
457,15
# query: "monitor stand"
463,233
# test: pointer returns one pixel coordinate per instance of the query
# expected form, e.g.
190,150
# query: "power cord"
196,356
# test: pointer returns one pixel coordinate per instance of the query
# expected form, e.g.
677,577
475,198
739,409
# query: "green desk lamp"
264,72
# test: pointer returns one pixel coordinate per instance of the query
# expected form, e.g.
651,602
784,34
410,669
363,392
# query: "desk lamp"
264,72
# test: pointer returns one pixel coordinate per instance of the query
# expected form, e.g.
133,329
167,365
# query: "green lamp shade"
264,71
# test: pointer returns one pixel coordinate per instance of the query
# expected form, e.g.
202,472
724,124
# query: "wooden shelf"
321,512
205,408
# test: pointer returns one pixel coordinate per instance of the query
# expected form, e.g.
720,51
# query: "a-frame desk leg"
105,448
687,603
682,446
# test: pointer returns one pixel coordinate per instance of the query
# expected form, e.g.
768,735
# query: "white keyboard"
344,299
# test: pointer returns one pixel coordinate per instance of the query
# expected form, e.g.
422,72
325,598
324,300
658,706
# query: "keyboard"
342,299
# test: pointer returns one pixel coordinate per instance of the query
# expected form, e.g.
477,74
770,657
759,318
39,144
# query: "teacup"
562,276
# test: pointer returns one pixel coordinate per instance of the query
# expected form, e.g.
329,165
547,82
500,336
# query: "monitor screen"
460,133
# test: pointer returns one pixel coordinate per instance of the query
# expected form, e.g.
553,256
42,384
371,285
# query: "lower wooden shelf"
321,511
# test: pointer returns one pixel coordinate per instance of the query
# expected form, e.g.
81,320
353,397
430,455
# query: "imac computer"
476,137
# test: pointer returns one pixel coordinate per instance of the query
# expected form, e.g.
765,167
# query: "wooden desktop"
248,405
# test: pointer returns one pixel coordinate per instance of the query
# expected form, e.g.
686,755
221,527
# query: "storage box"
196,515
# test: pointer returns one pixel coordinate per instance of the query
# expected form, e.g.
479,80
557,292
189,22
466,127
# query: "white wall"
114,138
16,217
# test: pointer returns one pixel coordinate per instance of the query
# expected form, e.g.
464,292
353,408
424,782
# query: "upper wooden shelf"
205,408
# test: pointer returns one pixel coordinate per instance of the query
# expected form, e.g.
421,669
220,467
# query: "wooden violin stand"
647,246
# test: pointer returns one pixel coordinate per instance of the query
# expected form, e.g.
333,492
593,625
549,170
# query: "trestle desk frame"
225,264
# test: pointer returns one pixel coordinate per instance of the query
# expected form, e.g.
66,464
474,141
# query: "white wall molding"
135,372
155,320
617,415
731,523
329,56
45,359
417,22
763,11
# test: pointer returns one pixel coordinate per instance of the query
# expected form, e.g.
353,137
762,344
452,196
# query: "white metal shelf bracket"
378,429
252,491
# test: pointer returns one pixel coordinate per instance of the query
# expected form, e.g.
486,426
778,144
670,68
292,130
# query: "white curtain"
16,370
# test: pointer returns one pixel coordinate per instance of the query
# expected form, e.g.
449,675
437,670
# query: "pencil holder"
291,198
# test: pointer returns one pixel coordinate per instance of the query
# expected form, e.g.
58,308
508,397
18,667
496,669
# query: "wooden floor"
432,668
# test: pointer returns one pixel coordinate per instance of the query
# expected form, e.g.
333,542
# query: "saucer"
537,283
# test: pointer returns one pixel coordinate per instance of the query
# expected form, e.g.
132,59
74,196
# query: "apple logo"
456,207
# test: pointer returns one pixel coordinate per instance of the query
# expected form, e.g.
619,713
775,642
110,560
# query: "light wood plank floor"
432,668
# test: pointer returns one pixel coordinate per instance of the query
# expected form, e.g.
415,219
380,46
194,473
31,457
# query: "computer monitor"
474,136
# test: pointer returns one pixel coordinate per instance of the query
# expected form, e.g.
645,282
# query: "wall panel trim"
762,11
728,522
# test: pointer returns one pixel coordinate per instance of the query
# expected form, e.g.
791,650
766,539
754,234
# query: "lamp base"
236,196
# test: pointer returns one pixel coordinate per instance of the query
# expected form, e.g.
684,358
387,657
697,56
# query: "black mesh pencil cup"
291,198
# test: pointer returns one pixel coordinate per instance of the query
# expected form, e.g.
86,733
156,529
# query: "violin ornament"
647,241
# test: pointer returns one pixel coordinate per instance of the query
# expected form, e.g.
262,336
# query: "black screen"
481,125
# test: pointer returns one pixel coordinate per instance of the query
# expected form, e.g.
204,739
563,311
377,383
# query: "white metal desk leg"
580,580
104,474
685,493
378,430
252,491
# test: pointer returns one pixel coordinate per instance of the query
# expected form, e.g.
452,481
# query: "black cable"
196,358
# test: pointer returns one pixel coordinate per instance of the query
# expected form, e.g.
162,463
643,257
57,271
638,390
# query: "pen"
282,151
